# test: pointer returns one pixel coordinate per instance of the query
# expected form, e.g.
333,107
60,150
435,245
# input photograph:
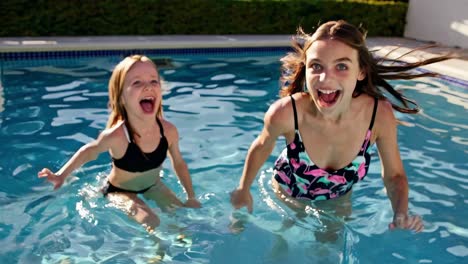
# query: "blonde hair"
116,86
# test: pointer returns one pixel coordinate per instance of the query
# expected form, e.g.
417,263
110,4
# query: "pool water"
49,108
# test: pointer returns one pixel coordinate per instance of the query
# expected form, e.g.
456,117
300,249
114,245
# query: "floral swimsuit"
302,179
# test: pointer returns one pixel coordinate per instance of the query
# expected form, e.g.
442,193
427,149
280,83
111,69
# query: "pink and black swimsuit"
302,179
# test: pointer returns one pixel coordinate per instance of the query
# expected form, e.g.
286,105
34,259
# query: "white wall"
442,21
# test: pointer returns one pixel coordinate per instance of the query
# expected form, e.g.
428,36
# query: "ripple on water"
21,168
460,140
208,66
66,94
167,72
169,85
75,99
220,77
243,81
76,116
24,128
459,251
29,112
64,87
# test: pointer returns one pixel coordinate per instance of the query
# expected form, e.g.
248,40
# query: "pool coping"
453,69
141,42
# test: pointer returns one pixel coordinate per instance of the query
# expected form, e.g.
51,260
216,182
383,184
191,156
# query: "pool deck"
455,68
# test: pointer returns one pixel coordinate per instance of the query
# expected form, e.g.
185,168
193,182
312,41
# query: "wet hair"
377,70
116,87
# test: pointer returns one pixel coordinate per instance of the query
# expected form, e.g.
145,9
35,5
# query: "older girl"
332,109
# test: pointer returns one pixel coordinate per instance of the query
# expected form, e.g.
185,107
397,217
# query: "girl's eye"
137,83
316,67
154,82
341,67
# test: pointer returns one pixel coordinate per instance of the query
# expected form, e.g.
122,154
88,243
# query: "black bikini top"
135,160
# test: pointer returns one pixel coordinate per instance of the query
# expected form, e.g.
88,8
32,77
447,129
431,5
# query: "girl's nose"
322,77
148,86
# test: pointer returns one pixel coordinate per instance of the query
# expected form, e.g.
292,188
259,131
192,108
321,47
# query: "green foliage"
165,17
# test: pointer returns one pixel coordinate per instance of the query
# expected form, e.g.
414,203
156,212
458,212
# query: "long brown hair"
116,86
377,71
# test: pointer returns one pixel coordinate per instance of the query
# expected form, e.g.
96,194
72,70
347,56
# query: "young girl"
138,139
332,109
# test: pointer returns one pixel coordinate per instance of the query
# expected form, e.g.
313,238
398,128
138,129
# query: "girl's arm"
179,165
85,154
393,173
261,148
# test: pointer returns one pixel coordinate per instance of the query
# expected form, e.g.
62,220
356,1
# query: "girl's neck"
336,117
142,127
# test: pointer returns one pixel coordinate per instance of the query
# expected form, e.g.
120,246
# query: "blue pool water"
49,108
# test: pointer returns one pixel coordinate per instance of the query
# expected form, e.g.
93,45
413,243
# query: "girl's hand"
405,221
56,180
192,203
241,198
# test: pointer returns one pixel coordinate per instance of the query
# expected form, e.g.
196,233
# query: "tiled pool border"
449,79
11,56
69,54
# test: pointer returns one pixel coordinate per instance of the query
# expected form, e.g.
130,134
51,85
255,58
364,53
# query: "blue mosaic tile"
30,55
448,79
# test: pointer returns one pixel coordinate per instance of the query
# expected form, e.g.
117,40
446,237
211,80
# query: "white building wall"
442,21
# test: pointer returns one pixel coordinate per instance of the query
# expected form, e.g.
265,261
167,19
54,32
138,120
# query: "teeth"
327,91
148,98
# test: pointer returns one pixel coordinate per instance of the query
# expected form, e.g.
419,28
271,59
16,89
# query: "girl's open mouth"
328,97
147,105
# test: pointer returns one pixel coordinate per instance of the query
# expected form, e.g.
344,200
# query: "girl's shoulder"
385,111
170,130
280,115
117,131
385,120
167,125
367,103
279,110
284,105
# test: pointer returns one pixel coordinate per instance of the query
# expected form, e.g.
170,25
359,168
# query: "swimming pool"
50,107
